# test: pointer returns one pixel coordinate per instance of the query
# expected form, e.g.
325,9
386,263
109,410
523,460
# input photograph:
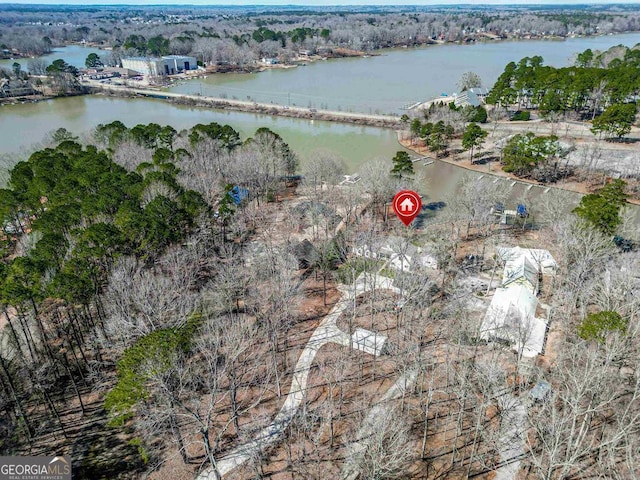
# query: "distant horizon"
319,3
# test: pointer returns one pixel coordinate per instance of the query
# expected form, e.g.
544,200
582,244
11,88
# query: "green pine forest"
70,215
595,83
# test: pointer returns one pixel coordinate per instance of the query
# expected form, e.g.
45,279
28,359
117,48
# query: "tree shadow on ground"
105,454
626,141
428,212
484,160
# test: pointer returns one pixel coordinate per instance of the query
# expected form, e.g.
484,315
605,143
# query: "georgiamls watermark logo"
35,468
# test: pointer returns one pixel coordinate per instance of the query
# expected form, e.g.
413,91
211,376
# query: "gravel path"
511,441
326,332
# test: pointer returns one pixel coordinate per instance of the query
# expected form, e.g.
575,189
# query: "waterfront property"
179,63
469,98
154,66
15,88
145,65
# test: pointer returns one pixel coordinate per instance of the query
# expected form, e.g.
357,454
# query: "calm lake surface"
74,55
385,83
354,144
21,125
382,83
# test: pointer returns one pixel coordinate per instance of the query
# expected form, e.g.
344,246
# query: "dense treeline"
87,210
79,209
69,213
595,82
73,216
201,296
241,35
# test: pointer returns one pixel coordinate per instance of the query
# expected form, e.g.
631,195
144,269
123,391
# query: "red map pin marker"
407,205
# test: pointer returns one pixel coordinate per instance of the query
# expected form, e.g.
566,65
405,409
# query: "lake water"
21,125
383,84
354,144
368,84
74,55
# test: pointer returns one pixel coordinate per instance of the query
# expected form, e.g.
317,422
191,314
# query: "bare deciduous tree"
388,451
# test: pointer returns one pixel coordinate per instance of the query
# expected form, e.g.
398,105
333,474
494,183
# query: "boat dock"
424,159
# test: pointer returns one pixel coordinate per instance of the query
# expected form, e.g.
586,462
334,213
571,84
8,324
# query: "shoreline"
479,39
354,118
378,121
360,54
581,187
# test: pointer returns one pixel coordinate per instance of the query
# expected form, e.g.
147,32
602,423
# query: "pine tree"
402,166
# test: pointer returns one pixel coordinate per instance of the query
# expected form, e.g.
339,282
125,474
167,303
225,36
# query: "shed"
368,341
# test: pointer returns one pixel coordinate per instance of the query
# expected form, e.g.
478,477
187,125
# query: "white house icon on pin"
406,205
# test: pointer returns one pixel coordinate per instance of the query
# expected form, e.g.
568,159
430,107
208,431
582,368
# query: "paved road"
267,108
563,130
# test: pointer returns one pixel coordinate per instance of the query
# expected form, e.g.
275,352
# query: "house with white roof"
521,272
543,259
511,317
401,255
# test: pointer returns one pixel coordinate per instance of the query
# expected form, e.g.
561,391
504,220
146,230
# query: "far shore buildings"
156,67
472,97
511,317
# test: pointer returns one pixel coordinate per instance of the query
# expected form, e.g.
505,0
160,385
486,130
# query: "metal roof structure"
521,272
480,90
511,318
511,314
466,99
539,257
144,59
368,341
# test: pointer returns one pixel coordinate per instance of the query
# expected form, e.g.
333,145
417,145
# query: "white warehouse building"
178,63
169,65
145,65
